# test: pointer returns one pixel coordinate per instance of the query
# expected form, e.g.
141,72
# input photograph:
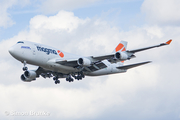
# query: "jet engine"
84,62
28,76
121,56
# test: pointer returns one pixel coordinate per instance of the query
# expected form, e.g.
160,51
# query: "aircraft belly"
60,68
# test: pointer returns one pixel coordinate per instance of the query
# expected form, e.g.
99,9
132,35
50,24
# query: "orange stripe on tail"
124,49
119,47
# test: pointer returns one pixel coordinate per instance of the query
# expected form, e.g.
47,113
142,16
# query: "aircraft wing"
110,57
97,60
70,63
73,63
146,48
103,57
132,65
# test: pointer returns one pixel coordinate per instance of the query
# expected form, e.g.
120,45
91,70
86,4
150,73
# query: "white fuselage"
46,56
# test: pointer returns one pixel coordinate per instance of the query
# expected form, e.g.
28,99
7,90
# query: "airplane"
58,64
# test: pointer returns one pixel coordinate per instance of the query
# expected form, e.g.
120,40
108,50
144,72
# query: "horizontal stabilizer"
132,65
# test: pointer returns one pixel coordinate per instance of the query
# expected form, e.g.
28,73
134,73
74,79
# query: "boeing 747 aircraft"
56,63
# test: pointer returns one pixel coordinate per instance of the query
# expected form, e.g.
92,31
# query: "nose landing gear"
25,68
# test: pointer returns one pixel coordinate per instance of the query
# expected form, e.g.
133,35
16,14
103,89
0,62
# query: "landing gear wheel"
57,81
69,79
72,79
55,78
25,68
79,76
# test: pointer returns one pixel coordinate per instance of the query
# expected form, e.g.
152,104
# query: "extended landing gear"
69,78
25,68
79,76
56,80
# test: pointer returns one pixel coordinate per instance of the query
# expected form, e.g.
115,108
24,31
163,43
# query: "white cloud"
5,17
164,12
53,6
62,21
67,103
142,90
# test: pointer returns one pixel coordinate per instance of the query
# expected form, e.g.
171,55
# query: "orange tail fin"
122,46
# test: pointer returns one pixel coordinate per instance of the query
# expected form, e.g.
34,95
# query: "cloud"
69,30
67,103
53,6
142,92
164,12
5,17
63,20
5,20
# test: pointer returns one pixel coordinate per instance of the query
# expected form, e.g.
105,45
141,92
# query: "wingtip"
148,62
169,42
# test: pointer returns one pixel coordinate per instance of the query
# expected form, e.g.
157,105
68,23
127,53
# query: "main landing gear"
79,76
56,80
69,78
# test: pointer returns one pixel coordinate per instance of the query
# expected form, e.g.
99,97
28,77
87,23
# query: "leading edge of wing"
146,48
70,63
132,65
102,57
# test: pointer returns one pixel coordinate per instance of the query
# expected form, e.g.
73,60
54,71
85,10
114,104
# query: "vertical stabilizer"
122,46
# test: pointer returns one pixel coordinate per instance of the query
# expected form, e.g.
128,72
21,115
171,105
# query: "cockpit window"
20,42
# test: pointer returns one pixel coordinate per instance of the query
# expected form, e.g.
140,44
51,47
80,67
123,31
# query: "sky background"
93,27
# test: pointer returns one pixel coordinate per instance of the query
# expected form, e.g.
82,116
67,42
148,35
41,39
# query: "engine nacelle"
28,76
121,56
84,62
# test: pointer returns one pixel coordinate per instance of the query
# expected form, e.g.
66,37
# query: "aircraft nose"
15,52
11,50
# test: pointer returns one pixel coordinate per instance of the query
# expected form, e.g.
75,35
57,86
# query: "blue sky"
123,14
94,27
